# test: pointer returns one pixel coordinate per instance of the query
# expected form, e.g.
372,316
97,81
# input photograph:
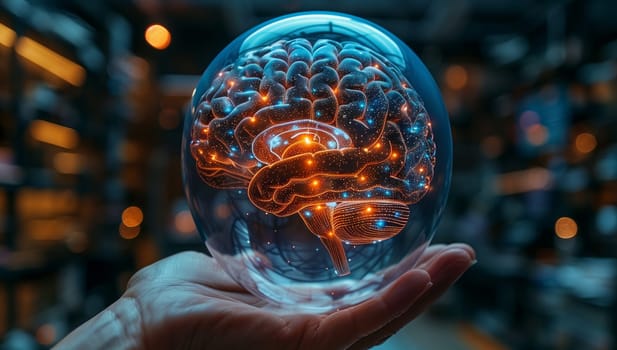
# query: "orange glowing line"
51,61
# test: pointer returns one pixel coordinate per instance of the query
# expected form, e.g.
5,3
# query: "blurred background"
92,97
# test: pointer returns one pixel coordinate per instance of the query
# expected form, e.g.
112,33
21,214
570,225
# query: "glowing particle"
307,140
362,178
309,162
394,155
365,149
369,209
315,183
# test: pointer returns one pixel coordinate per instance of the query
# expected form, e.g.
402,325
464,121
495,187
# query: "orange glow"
394,155
315,183
536,134
50,61
129,232
54,134
365,149
184,224
585,142
46,334
309,162
369,209
522,181
7,36
307,140
378,146
456,77
565,227
362,178
132,216
158,36
264,98
67,163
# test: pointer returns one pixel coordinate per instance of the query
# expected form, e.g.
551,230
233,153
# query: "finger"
345,327
444,269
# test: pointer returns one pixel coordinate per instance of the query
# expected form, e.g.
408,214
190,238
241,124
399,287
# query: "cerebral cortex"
331,131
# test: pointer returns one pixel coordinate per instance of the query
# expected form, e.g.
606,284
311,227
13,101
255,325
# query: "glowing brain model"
328,130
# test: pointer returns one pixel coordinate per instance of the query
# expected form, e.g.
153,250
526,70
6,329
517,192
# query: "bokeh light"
132,216
158,36
456,77
566,227
585,142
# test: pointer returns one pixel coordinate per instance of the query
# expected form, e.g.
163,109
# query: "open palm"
187,301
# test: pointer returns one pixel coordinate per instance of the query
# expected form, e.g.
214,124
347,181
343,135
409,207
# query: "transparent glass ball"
316,159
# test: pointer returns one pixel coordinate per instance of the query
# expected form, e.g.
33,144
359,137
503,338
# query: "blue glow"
380,223
331,144
388,192
307,213
345,195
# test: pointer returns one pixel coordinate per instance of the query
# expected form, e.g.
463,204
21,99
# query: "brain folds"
331,131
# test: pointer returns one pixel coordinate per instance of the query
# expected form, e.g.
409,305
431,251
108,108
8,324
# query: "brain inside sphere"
330,131
316,159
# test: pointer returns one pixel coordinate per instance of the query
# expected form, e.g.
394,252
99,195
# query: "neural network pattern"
328,130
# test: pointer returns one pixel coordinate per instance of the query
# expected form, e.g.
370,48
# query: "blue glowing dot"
370,121
388,192
345,195
239,191
234,149
386,168
397,214
318,113
307,213
421,184
295,127
380,223
331,204
331,144
368,194
230,132
362,104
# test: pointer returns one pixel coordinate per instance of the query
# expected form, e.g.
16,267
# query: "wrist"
119,326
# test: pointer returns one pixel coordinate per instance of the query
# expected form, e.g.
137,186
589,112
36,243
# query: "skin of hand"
187,301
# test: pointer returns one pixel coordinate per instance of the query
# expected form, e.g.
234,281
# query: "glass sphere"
316,159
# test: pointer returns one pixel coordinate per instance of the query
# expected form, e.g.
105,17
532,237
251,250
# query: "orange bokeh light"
132,216
158,36
456,77
565,227
585,142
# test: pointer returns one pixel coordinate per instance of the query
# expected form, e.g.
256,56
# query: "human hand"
187,301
